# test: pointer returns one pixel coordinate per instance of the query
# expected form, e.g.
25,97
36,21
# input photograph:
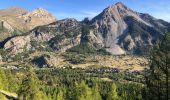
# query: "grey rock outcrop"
18,44
60,36
68,34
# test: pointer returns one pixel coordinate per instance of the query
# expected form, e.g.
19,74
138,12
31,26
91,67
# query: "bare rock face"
124,30
68,34
18,44
129,42
110,25
60,36
66,43
41,36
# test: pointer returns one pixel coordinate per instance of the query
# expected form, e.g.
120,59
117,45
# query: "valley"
131,63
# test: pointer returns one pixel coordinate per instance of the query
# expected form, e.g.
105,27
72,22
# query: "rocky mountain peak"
116,12
40,12
40,9
38,17
120,28
117,6
120,5
120,9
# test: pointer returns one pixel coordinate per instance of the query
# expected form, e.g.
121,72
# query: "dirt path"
8,94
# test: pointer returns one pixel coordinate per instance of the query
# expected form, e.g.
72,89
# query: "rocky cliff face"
68,35
118,30
60,36
18,44
122,29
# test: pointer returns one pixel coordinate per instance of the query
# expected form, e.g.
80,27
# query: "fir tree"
113,94
3,81
83,92
95,93
157,78
29,89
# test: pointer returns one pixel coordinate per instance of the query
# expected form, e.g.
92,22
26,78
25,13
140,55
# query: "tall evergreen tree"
12,81
29,89
60,95
3,81
113,94
83,92
95,93
158,75
124,96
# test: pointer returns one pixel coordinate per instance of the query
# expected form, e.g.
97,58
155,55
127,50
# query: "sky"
79,9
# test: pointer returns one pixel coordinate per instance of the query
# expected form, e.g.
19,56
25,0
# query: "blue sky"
89,8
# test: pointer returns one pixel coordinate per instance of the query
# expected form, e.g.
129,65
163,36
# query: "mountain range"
117,30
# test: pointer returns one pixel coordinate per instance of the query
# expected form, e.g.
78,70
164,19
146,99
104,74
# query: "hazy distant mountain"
16,20
118,30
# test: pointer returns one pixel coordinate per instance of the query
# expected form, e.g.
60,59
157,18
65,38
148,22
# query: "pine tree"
95,93
113,94
158,75
83,92
3,81
60,95
124,96
29,89
12,82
